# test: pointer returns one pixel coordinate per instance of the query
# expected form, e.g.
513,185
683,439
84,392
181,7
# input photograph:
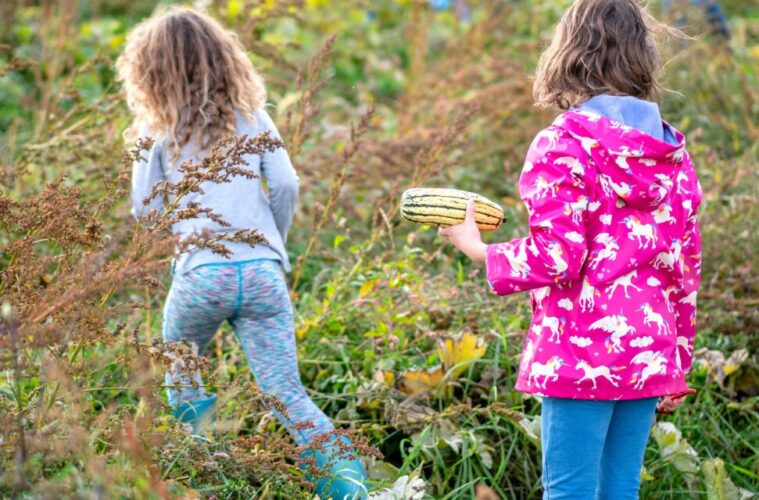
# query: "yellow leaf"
303,329
367,287
385,377
459,352
730,369
416,381
234,8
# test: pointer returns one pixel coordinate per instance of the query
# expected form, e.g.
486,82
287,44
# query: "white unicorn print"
690,299
576,168
609,251
592,117
655,363
575,209
678,155
666,293
625,282
652,317
668,259
645,233
518,263
555,326
543,187
682,342
611,188
549,134
663,214
620,126
688,207
559,266
588,296
681,177
532,247
624,154
529,353
587,143
592,374
661,194
665,181
539,295
547,371
616,325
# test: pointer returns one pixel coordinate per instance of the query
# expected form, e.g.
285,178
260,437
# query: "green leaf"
674,449
718,483
337,241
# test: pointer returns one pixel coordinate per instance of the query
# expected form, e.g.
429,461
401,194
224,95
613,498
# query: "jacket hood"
639,168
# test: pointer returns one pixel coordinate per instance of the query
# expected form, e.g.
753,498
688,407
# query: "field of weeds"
399,340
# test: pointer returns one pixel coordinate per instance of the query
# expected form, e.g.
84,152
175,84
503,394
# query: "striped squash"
447,207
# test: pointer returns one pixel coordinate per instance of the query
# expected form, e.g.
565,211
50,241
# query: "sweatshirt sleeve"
685,300
147,173
280,177
553,188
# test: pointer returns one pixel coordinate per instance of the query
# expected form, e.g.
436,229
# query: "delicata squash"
447,207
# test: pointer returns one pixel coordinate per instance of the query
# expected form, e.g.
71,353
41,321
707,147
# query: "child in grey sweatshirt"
190,78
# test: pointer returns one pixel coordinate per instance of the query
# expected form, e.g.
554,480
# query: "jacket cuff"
497,271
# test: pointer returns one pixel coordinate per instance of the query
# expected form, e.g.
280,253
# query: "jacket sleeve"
553,188
146,173
281,179
685,300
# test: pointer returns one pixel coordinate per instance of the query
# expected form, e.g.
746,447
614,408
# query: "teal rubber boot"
346,479
198,412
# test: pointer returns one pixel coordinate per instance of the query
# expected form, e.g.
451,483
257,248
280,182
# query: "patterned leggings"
253,297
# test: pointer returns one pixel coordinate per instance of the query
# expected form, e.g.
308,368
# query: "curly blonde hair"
600,47
185,76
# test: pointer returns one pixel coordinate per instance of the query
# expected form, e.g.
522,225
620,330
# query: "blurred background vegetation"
399,339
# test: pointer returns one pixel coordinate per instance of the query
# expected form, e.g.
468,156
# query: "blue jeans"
594,449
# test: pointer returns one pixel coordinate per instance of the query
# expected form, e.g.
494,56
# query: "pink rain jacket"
612,261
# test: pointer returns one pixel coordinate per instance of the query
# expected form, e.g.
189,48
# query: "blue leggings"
253,297
594,449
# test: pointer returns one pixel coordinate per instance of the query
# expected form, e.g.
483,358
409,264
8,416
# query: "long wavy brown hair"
600,47
185,76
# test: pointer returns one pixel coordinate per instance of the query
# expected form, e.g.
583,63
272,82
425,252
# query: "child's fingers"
470,211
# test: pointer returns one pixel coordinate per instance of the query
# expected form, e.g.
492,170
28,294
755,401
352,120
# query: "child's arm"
280,177
146,173
466,236
555,250
685,299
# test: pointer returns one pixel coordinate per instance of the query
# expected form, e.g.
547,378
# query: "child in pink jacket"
613,258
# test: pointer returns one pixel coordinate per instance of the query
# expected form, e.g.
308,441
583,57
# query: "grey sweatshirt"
241,202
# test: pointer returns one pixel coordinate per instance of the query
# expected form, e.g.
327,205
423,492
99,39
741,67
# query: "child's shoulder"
145,131
259,120
559,138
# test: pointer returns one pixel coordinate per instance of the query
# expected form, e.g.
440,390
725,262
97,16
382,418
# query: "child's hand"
466,236
668,404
